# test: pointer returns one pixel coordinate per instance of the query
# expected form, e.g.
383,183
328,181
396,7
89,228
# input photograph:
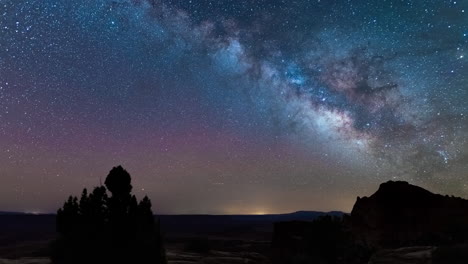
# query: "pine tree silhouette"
108,229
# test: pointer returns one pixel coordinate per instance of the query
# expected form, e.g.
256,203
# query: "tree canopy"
98,228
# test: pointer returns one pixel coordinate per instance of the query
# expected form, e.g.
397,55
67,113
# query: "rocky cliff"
401,214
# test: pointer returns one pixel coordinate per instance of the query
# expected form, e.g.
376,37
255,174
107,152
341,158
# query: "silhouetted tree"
118,183
102,229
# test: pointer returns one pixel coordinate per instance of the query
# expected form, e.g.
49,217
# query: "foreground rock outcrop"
409,255
400,224
454,254
324,240
400,214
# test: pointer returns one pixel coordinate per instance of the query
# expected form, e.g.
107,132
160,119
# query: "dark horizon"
232,106
388,226
162,214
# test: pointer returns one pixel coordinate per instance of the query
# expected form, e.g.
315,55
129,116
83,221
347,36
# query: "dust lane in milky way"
232,106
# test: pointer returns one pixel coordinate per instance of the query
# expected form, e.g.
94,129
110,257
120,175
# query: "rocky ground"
178,257
177,254
182,250
218,251
25,261
216,257
408,255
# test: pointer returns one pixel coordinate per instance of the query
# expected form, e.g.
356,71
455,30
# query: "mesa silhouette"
98,228
400,214
399,223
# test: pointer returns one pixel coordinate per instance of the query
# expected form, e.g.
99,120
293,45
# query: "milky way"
232,106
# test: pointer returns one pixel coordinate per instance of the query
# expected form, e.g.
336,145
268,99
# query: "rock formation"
400,223
401,214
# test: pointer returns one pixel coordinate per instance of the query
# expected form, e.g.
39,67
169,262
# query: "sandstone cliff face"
401,214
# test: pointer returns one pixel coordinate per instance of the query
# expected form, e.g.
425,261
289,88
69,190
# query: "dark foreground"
399,224
188,238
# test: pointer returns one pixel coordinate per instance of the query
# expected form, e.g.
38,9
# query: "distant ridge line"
301,212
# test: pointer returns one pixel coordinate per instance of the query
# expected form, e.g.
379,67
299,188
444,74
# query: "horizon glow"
232,106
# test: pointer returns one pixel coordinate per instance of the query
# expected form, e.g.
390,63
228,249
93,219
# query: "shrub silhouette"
326,240
108,229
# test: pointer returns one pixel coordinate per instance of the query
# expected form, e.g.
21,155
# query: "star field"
232,106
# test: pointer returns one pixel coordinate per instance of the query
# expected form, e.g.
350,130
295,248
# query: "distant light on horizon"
232,107
259,213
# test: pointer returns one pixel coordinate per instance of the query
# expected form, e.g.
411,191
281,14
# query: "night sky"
232,106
